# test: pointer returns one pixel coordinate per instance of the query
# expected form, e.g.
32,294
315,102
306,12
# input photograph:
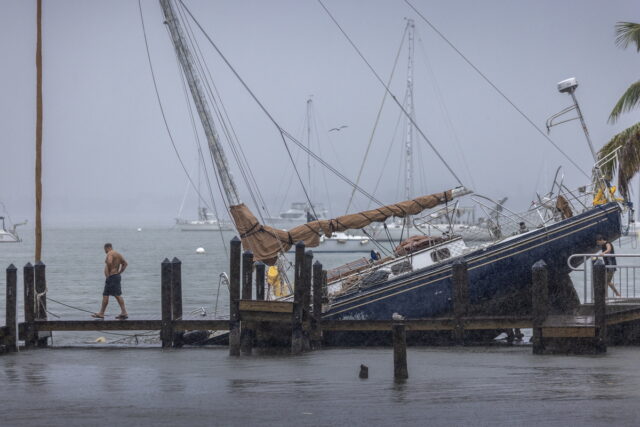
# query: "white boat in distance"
7,236
206,222
300,211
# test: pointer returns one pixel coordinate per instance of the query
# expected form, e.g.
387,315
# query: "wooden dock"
299,325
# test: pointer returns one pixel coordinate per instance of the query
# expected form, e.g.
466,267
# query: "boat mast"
195,86
408,172
309,105
38,254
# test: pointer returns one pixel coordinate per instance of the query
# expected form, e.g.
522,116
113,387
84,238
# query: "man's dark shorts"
112,286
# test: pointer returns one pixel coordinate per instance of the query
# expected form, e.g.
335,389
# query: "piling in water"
234,297
400,371
246,332
176,298
297,344
260,276
460,298
599,305
166,333
540,303
29,305
11,339
41,297
316,311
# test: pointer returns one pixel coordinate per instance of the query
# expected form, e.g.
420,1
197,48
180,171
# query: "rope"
377,76
495,88
164,118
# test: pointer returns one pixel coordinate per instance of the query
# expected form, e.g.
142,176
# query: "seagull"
338,129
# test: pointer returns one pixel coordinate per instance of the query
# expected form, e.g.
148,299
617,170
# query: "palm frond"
628,33
629,99
628,157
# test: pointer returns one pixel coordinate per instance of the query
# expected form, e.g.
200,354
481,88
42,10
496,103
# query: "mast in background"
38,254
408,171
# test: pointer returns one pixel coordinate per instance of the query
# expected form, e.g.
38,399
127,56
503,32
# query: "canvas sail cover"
266,242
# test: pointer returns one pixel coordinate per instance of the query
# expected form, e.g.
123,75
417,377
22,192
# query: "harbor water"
80,382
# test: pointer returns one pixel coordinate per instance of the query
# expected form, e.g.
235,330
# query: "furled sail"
266,242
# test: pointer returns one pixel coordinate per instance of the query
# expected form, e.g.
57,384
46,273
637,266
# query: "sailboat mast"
408,171
39,114
309,103
195,86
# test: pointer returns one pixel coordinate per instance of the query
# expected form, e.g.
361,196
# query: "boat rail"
624,277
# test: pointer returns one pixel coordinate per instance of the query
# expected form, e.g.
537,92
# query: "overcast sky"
108,158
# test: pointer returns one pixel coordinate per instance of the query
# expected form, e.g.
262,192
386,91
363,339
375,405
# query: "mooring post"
41,297
400,371
307,277
260,275
316,312
29,305
176,299
297,339
234,296
166,333
11,311
246,331
599,304
540,303
460,294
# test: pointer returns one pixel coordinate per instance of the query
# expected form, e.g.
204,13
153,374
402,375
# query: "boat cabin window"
440,254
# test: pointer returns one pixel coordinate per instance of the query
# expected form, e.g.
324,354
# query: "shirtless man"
115,265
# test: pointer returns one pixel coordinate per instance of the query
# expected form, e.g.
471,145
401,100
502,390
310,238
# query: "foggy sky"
108,159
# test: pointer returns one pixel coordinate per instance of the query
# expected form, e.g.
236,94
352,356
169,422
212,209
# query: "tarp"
266,242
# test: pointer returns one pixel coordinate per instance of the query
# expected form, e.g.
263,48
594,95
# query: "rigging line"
201,160
252,95
214,102
235,140
413,122
444,108
496,88
375,125
283,132
164,117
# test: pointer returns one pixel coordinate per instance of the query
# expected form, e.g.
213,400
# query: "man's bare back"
115,263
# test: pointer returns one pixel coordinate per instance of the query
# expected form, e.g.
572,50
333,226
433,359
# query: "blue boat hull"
495,273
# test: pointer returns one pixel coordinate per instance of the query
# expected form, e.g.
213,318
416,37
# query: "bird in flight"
338,128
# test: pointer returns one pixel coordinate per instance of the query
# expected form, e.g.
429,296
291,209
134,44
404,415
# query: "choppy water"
144,385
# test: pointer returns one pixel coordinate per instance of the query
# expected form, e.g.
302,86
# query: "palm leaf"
628,157
629,99
628,33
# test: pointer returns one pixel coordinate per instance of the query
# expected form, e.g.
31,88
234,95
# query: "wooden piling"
297,339
246,331
11,311
41,297
599,305
176,299
307,278
234,297
460,298
540,303
166,333
260,280
316,312
400,371
29,305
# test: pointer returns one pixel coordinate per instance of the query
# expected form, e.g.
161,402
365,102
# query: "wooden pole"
166,333
400,371
246,332
316,318
460,294
29,305
540,303
38,179
297,344
41,297
260,275
176,298
11,340
599,305
306,299
234,297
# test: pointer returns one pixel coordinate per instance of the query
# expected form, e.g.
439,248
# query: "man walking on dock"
115,264
609,262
